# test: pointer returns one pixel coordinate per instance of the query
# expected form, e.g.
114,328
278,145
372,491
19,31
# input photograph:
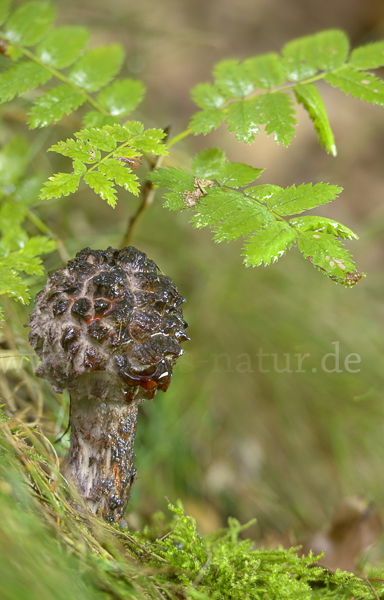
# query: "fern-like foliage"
262,214
257,91
100,156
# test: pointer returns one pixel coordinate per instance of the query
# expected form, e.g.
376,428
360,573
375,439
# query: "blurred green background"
227,438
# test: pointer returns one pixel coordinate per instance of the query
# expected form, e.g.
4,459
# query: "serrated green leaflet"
262,192
269,244
359,84
11,284
29,22
114,169
295,200
204,121
21,77
61,184
25,259
53,105
233,79
237,175
309,97
276,112
243,120
97,138
175,179
133,128
314,223
324,51
4,9
231,214
150,141
326,253
79,149
97,67
79,167
120,132
208,162
206,95
122,96
101,186
266,70
61,47
370,56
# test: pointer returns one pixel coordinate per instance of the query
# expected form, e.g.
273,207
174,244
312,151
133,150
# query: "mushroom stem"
101,454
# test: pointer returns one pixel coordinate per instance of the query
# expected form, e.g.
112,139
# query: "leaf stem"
42,227
179,137
64,79
147,197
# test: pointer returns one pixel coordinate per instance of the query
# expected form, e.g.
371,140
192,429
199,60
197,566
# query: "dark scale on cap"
109,310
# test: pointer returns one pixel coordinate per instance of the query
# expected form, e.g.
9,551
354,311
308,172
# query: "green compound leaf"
233,79
4,9
176,180
29,22
236,175
266,70
309,97
53,105
206,95
114,169
79,149
21,77
269,244
243,119
359,84
61,47
324,51
314,223
97,138
206,120
101,186
97,67
231,214
370,56
208,162
61,184
325,252
276,112
150,141
295,200
122,96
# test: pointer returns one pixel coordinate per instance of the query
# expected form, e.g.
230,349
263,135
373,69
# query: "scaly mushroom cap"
109,310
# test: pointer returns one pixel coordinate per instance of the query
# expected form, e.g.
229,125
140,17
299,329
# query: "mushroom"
108,327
